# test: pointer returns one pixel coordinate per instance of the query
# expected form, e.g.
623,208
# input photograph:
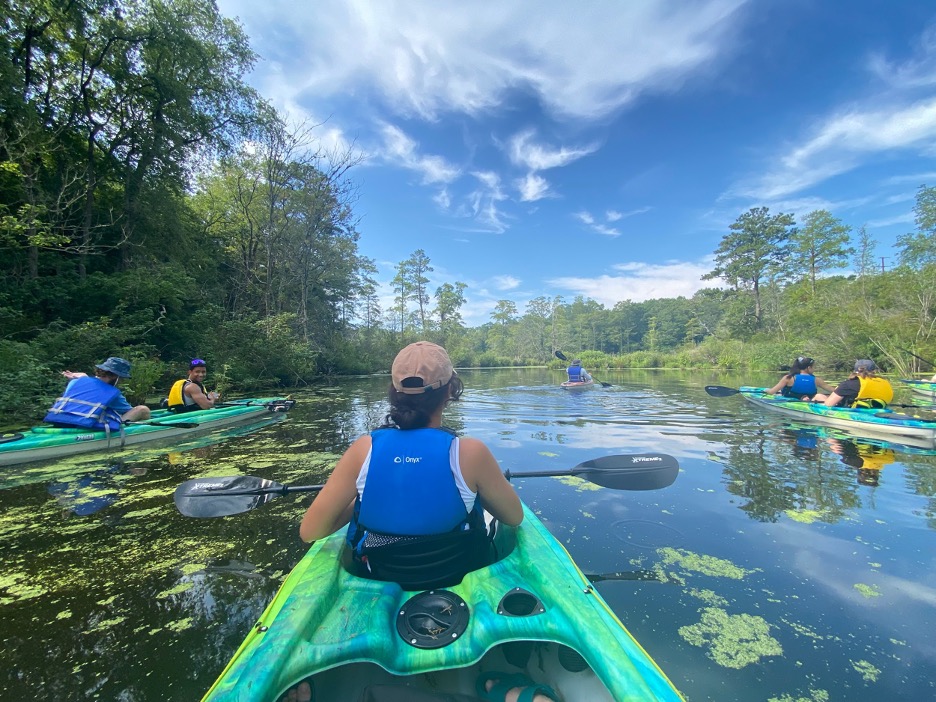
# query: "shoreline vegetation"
161,210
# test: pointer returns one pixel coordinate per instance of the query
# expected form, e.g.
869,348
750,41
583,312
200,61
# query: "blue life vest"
575,374
409,489
803,384
85,404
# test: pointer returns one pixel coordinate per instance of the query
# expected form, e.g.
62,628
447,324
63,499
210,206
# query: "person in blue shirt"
801,383
95,402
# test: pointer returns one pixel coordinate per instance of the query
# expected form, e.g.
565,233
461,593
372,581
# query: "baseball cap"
804,361
865,364
196,362
421,366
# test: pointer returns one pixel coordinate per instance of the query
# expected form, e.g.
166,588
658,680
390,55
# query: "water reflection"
775,537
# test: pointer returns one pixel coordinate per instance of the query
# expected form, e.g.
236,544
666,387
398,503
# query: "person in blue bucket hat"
95,402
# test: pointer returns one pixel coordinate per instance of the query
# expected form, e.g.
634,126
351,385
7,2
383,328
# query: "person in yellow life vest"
862,389
189,394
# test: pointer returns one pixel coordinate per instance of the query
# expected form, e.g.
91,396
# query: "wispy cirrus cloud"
891,118
403,151
505,282
610,216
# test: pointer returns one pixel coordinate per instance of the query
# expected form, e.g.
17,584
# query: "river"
785,564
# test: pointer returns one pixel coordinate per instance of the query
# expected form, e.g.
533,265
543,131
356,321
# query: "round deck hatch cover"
432,619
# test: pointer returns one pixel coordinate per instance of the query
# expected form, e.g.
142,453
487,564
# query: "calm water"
787,563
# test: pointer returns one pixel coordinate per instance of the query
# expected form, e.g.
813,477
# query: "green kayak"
47,442
870,422
532,612
924,388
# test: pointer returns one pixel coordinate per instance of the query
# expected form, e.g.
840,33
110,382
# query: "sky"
602,149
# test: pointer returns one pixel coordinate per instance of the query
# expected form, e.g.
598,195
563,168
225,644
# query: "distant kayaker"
413,478
189,394
577,374
800,383
95,402
862,389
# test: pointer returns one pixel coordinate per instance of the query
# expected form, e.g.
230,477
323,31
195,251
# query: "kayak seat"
426,562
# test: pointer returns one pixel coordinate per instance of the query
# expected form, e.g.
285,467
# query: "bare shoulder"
474,450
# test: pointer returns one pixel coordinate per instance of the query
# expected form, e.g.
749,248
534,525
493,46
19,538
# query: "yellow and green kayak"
532,612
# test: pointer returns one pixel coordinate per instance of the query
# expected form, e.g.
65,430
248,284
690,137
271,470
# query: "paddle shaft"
722,391
919,357
180,425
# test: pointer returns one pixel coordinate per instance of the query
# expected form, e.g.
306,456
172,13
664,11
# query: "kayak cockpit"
543,662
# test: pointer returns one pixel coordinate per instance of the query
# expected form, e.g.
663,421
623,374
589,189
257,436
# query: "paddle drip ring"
432,619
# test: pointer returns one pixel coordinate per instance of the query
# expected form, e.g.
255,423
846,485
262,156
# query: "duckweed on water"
548,454
805,516
579,484
699,563
733,640
709,597
814,696
869,672
868,591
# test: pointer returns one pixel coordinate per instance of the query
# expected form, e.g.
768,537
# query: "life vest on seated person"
575,374
803,384
85,404
411,491
874,392
179,401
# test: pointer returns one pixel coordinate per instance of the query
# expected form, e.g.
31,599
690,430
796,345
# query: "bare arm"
71,375
497,495
833,399
201,399
824,385
334,505
784,381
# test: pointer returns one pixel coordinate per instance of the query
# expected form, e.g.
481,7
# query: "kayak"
352,638
47,442
922,387
575,385
873,422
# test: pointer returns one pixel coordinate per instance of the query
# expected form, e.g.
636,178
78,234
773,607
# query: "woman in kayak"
800,383
862,389
412,477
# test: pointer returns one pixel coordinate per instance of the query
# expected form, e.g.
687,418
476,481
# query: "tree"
755,246
412,283
449,301
918,249
821,243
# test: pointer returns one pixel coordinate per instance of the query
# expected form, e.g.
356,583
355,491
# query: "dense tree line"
152,205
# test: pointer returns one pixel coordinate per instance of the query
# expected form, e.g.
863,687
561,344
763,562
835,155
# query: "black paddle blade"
561,356
720,391
647,471
222,497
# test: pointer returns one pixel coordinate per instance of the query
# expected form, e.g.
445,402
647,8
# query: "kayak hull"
870,422
341,632
47,442
923,388
569,385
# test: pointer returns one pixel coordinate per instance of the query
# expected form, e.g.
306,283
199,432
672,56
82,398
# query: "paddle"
180,425
917,357
273,405
562,357
722,391
242,493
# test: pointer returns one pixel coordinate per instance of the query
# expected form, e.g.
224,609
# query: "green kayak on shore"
46,442
532,612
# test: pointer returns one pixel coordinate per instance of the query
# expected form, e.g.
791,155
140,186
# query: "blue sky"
603,148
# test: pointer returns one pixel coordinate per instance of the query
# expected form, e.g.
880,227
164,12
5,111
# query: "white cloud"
639,281
505,282
456,58
588,219
401,150
912,178
904,218
523,151
889,118
532,188
613,215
